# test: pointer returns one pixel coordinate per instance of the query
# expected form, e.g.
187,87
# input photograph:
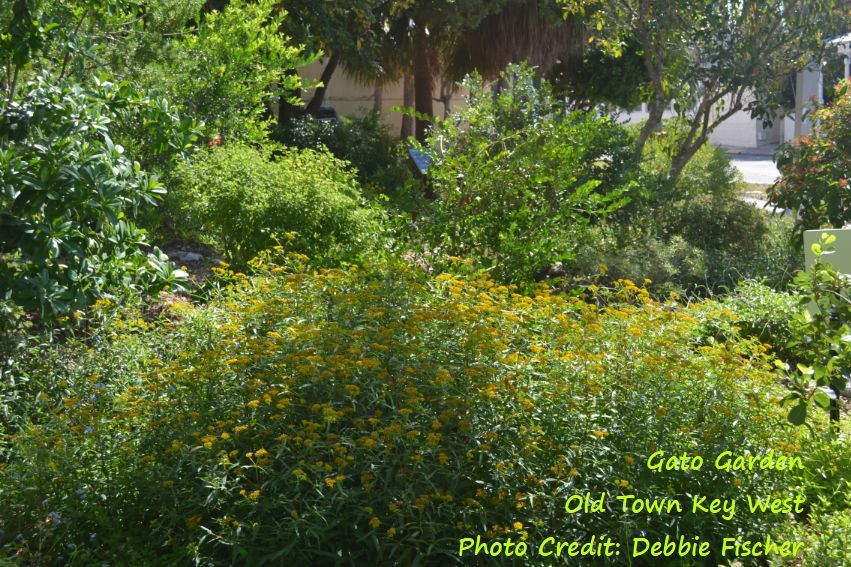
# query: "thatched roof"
522,31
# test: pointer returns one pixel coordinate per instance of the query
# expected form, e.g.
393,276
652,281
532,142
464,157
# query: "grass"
755,190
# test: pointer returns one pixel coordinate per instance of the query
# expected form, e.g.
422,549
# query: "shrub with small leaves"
517,179
241,198
378,414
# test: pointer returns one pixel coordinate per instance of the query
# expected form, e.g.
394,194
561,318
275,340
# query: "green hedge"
241,198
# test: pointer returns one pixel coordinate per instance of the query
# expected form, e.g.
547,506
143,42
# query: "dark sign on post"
421,160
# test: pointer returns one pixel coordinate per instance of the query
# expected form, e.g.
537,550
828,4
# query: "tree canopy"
711,59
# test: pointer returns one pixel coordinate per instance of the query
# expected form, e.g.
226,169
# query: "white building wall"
351,98
738,131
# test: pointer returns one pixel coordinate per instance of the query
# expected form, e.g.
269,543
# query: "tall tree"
711,59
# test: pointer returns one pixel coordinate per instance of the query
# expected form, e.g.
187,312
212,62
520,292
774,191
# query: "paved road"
756,168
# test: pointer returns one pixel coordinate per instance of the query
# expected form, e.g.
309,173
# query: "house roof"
843,41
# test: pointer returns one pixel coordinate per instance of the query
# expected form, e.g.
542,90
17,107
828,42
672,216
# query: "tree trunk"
407,102
319,94
378,98
654,120
446,91
683,155
652,58
423,81
702,125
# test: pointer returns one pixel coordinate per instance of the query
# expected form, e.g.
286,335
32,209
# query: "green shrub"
228,69
695,236
363,142
378,415
239,197
715,222
826,483
738,240
613,253
828,539
518,180
764,313
70,193
675,263
821,336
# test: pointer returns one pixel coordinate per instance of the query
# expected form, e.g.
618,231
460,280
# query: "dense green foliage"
76,152
517,180
241,199
694,235
231,68
364,143
764,313
821,334
816,169
388,377
600,78
522,187
377,413
70,193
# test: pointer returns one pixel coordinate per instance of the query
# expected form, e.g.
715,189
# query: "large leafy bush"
816,169
70,192
821,335
239,198
377,415
516,179
224,63
234,64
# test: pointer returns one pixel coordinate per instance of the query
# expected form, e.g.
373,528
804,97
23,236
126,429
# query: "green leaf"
821,399
806,370
798,414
